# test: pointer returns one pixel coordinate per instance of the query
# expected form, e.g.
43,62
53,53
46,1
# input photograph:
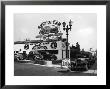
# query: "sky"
84,27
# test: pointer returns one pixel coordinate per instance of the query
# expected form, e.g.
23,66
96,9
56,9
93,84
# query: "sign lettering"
65,63
39,47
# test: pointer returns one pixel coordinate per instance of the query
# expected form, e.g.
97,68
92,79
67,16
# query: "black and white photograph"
58,44
55,44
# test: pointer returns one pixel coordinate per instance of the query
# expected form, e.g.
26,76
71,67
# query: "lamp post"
67,28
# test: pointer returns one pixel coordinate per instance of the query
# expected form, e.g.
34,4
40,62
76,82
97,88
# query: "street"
30,69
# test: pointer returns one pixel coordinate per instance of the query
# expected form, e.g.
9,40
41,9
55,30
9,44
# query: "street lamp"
67,27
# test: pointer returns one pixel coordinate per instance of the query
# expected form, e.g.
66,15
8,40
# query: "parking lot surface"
30,69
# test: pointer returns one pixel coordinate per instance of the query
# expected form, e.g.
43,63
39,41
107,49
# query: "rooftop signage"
49,27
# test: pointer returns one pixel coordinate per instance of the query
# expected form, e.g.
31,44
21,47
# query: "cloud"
86,31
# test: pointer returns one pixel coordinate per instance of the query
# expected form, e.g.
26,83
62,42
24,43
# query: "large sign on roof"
49,27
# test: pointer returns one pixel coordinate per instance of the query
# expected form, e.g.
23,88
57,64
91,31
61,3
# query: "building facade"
54,47
50,40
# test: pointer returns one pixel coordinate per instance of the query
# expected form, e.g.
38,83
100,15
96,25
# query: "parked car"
78,65
48,56
53,57
37,57
90,62
42,55
20,56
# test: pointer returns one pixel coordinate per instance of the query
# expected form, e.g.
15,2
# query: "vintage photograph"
55,44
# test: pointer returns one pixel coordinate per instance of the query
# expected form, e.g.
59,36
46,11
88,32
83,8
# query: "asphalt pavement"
30,69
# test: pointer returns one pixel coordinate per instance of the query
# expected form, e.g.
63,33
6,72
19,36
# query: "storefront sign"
49,27
54,22
53,45
26,46
66,63
41,47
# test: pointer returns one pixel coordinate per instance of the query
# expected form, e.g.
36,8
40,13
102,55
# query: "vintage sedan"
78,65
20,56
